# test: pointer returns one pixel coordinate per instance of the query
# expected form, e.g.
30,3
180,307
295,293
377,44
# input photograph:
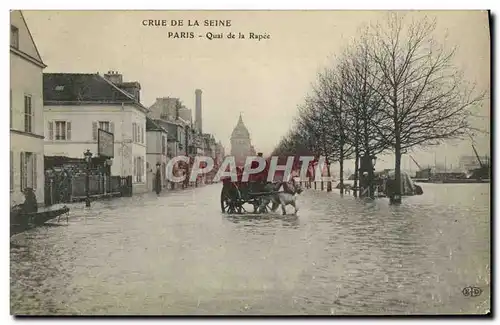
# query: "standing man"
158,179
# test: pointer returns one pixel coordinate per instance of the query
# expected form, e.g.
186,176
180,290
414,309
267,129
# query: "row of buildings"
64,115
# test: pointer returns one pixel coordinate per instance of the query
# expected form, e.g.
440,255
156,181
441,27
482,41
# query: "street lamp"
88,159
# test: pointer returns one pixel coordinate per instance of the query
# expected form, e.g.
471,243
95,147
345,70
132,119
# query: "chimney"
133,88
114,77
198,116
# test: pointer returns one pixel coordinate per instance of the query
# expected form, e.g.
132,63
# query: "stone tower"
241,145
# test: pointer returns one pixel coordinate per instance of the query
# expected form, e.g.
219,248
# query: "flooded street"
178,254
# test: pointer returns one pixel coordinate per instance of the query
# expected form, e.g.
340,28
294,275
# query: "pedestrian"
30,204
158,179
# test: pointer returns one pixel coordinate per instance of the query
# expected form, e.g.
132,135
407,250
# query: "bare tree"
424,96
362,92
329,95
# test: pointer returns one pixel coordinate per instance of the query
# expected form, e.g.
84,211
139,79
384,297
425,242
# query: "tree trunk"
365,163
341,161
356,172
356,155
328,173
342,176
397,172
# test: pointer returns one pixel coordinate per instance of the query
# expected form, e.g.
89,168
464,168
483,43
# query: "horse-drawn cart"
235,194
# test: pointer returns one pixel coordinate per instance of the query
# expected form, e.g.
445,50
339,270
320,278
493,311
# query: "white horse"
287,197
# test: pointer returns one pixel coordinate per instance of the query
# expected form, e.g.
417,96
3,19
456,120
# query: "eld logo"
472,291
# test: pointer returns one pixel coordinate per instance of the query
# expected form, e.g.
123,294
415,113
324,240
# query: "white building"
26,112
77,105
156,152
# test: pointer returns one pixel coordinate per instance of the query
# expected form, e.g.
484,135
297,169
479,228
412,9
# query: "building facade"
165,108
77,105
185,114
241,144
26,112
156,153
198,111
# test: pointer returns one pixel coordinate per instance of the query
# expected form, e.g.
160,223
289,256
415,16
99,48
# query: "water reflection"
264,220
177,254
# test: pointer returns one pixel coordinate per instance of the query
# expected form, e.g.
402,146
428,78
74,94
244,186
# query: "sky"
264,80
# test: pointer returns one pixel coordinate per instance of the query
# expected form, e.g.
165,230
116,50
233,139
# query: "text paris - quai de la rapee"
194,23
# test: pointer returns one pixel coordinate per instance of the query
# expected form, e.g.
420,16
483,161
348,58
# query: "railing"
73,188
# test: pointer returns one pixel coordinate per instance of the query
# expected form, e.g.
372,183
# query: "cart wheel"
225,202
240,208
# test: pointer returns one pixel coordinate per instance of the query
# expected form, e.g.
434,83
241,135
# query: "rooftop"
83,88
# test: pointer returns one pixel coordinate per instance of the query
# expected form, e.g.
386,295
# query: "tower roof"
240,130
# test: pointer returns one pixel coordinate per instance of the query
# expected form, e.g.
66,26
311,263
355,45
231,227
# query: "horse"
287,197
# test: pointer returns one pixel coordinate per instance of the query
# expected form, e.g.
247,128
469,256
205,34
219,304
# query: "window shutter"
133,132
21,156
142,134
51,130
11,171
112,127
68,130
34,157
94,131
11,115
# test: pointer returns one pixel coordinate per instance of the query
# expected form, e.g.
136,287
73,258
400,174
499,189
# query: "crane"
475,152
416,163
477,156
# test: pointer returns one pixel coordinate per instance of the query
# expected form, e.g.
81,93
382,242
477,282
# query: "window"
137,133
103,125
134,132
138,169
28,114
14,36
63,130
11,171
163,145
59,130
28,170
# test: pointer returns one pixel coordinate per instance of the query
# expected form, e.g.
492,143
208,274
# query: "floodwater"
177,254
